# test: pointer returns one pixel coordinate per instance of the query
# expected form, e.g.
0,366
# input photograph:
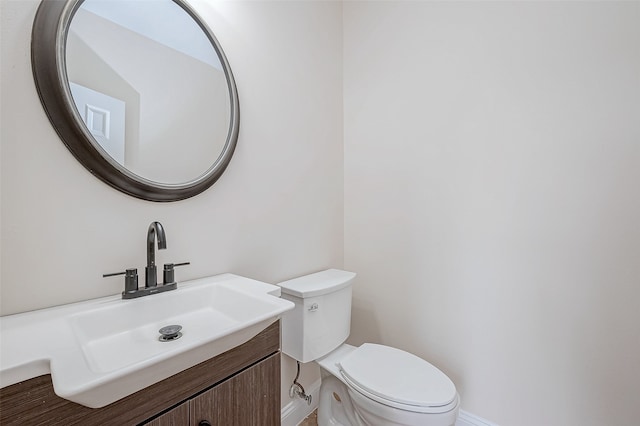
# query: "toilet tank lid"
317,284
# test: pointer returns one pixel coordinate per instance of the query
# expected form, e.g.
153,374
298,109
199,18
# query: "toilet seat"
398,379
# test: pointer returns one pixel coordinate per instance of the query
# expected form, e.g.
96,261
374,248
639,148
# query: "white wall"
492,199
276,213
492,162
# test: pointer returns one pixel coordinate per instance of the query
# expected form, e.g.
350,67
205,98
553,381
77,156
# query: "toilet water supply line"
297,389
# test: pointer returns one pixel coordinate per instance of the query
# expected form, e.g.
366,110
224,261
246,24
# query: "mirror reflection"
149,86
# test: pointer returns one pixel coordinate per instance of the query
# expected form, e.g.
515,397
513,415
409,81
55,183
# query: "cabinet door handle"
204,423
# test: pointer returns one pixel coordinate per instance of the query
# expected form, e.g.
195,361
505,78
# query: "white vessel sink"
105,349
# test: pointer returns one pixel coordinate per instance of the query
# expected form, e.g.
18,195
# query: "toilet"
372,385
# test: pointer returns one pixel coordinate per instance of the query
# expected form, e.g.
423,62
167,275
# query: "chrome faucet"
156,231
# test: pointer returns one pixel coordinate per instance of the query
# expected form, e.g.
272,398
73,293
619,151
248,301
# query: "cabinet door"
179,416
250,398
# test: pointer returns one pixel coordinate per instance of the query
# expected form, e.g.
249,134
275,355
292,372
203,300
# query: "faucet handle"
130,279
168,276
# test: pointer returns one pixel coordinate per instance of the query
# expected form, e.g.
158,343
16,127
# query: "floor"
312,420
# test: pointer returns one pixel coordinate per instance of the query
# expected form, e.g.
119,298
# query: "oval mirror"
140,92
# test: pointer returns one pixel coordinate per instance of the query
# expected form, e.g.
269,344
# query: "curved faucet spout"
155,231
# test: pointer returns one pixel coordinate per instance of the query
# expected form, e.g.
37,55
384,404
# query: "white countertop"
47,342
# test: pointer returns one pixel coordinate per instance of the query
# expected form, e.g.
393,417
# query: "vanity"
89,363
238,387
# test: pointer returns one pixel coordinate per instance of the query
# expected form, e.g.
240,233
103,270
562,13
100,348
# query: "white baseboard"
468,419
297,409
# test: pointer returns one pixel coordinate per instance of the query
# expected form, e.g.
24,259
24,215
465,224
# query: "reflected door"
104,116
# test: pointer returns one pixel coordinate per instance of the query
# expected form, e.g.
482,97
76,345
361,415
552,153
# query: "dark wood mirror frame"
48,49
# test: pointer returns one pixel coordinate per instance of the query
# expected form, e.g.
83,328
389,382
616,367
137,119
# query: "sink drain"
170,333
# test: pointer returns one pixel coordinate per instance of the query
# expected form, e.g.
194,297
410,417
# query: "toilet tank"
321,319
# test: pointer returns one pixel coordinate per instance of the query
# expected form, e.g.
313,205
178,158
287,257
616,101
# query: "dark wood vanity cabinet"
174,417
240,387
244,399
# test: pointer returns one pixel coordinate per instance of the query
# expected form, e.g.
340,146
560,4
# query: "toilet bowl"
371,384
383,391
